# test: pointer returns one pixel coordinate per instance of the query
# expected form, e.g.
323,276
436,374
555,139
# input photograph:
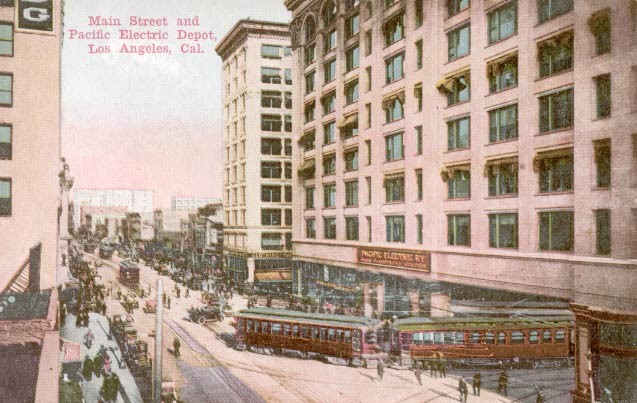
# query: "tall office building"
257,105
488,142
191,203
135,200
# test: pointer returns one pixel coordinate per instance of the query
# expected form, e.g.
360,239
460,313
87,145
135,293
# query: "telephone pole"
158,344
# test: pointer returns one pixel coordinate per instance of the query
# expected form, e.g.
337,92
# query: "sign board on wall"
35,15
402,259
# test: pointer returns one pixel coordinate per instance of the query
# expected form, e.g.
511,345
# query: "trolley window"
339,335
257,326
428,338
459,338
250,325
305,332
295,330
417,338
449,337
560,337
356,341
534,337
286,330
517,338
240,323
315,333
323,334
348,336
475,338
437,338
331,335
276,328
502,338
546,337
489,338
266,327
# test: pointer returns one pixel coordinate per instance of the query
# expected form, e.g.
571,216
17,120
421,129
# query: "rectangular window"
5,197
556,111
329,195
556,54
329,103
270,75
271,241
309,82
288,100
418,96
309,198
288,194
351,228
602,231
368,43
459,184
418,130
352,59
369,228
288,170
271,170
329,228
288,217
271,123
395,228
351,160
310,54
288,147
288,76
602,162
394,29
351,92
329,41
418,13
601,28
6,141
270,217
603,96
460,90
502,22
394,147
308,111
368,181
288,123
503,179
549,9
329,71
503,74
419,54
310,228
455,6
394,68
368,74
271,194
459,42
6,89
329,164
419,229
271,146
6,39
329,133
419,190
458,133
352,25
394,108
351,193
271,99
503,230
556,174
271,51
368,147
556,230
459,229
395,189
503,124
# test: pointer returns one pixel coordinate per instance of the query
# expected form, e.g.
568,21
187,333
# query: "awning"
496,163
562,39
307,136
348,120
71,351
496,66
448,83
551,154
388,100
307,168
391,176
447,172
275,276
599,21
417,90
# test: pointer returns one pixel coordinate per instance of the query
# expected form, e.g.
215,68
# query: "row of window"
273,217
556,230
514,337
6,100
272,75
273,123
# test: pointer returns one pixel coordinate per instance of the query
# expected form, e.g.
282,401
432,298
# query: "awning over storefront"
495,163
274,276
307,168
550,154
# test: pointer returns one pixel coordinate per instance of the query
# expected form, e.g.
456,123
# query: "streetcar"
106,251
467,341
129,274
337,339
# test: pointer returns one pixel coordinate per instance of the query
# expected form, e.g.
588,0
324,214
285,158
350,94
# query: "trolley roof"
312,318
127,264
472,323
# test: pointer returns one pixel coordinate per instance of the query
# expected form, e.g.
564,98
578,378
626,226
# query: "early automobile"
150,306
205,314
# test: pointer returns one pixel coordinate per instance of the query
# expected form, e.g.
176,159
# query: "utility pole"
158,344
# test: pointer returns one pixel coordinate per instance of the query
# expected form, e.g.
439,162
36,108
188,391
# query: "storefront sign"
35,15
403,259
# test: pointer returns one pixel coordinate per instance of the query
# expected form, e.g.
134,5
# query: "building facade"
191,203
257,77
135,200
489,143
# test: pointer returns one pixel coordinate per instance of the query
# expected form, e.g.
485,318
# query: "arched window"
560,337
546,337
329,12
309,30
517,338
534,337
475,338
502,338
489,338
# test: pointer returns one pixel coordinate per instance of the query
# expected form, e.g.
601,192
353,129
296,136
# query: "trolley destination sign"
402,259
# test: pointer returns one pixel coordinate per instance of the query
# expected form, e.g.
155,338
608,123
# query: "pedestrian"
187,292
105,389
107,364
88,339
432,369
178,292
443,367
465,391
176,345
87,368
503,381
418,373
114,386
461,388
63,313
268,302
380,369
540,397
477,383
98,365
168,302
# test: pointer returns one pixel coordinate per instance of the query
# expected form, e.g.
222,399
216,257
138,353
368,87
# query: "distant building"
257,101
135,200
191,203
103,222
168,229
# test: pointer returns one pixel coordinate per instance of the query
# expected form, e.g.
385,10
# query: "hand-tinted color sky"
151,121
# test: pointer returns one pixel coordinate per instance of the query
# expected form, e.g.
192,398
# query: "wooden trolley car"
335,338
516,341
129,274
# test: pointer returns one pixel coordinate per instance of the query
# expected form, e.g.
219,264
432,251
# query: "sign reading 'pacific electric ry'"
36,15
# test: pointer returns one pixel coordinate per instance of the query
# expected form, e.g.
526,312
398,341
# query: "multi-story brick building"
257,105
488,143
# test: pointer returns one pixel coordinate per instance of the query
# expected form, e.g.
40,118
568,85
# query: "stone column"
251,270
367,300
380,298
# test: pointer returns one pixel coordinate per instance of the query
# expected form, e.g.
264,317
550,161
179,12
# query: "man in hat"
380,369
418,373
176,345
477,383
87,368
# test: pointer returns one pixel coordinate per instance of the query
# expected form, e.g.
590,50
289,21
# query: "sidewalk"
128,392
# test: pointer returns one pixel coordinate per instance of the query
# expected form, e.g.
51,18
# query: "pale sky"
151,121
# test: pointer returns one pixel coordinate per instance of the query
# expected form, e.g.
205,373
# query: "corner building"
489,143
257,107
